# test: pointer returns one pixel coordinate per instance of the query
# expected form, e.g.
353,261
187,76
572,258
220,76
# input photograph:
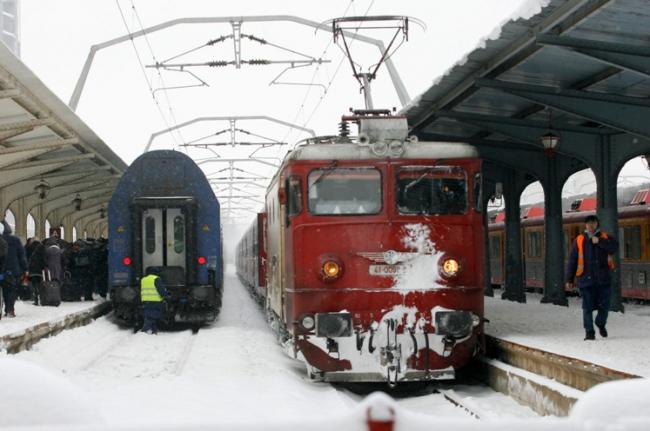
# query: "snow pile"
421,271
31,395
619,399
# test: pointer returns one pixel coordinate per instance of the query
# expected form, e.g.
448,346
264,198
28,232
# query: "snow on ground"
559,330
231,371
28,314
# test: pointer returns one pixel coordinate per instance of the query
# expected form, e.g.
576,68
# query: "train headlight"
332,325
331,269
450,267
457,324
127,261
308,322
201,260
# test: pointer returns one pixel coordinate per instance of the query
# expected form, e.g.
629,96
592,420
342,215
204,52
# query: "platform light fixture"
550,140
77,202
42,188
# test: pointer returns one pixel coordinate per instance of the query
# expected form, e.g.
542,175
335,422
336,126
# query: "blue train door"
164,242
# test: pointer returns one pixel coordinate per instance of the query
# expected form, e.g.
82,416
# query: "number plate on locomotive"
386,270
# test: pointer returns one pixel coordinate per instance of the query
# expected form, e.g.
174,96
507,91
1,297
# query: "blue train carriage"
164,214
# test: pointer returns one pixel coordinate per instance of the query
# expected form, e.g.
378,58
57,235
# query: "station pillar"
606,171
67,228
514,265
20,216
39,222
553,235
488,191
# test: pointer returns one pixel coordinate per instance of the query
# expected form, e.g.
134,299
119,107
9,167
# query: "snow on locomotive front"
376,255
165,215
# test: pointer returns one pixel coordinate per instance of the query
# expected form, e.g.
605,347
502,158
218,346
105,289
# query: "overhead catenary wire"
162,80
331,79
142,68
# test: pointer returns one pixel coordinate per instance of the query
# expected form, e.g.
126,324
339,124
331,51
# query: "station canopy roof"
579,68
42,139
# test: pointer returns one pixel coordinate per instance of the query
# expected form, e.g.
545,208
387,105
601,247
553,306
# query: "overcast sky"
118,105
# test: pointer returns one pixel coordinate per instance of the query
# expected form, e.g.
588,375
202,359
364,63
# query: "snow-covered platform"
536,353
34,322
558,330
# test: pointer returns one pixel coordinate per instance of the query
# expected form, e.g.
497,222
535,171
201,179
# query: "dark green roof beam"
624,113
633,58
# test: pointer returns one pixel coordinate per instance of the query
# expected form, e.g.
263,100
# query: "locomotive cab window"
431,190
345,191
294,195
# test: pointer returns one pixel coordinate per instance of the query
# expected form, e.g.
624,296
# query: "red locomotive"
633,234
374,248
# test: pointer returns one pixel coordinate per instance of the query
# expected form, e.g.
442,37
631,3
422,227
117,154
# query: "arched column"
515,289
20,216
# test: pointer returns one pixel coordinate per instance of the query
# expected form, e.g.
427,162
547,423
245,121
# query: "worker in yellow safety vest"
590,264
152,294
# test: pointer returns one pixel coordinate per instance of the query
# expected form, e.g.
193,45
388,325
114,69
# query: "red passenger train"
633,236
374,254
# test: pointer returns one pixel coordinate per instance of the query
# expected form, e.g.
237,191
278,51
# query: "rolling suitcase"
49,291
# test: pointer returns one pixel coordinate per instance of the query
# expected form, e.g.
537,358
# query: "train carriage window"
534,244
495,246
150,235
630,242
345,191
431,190
179,234
294,195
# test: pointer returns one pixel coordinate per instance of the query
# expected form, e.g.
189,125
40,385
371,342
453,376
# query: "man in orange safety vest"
590,265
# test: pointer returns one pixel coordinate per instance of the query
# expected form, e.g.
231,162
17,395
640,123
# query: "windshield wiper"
420,178
324,173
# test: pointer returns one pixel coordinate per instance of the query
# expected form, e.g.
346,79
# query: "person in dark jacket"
590,265
15,267
31,245
81,268
152,294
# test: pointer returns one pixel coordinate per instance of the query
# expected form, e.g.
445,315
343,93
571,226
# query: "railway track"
464,403
129,355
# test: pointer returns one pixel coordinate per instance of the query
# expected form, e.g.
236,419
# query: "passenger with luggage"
15,266
152,294
80,269
47,259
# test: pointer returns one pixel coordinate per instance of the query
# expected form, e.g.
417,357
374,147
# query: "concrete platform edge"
25,339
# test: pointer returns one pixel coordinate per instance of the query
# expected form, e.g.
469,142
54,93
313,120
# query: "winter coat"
54,260
596,268
15,261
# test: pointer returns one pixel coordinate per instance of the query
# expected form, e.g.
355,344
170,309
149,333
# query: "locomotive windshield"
431,190
345,191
